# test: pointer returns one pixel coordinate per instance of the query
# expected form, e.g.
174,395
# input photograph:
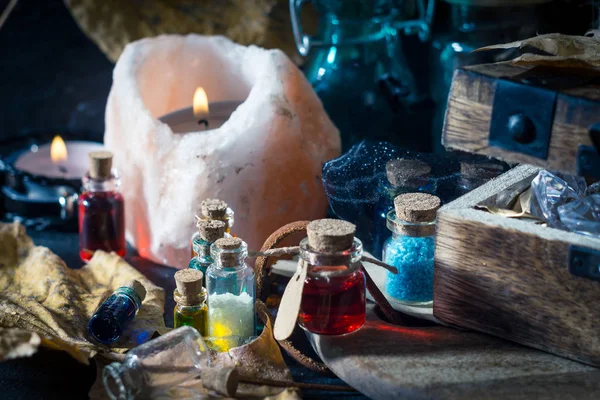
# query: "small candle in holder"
201,116
59,159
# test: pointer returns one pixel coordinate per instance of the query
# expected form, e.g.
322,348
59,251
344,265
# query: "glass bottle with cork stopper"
403,175
231,292
209,231
190,296
334,294
411,248
116,313
214,209
101,209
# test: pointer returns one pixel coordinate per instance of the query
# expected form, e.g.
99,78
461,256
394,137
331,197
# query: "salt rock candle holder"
265,161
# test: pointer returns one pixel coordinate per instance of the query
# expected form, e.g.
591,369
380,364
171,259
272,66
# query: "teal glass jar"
357,66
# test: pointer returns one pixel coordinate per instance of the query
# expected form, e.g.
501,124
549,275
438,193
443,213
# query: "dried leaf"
563,50
508,213
260,358
15,343
523,203
40,295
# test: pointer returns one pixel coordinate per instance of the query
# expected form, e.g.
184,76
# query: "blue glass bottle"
357,66
116,312
209,231
411,248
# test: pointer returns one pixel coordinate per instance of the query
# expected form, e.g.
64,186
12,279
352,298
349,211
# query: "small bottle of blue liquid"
116,312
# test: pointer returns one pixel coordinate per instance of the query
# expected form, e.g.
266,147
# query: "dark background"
52,77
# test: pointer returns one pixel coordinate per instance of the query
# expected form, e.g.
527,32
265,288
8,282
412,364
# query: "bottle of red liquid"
101,209
334,294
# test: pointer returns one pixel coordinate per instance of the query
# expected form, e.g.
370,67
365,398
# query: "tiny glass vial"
403,175
231,292
101,209
209,231
214,209
411,248
334,294
157,365
116,313
190,296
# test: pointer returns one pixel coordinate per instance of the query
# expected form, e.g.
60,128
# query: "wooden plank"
385,361
469,111
510,278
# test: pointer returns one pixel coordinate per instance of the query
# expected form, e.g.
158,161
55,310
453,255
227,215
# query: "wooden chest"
535,285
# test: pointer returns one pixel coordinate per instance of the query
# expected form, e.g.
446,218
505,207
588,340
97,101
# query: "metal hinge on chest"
584,262
522,120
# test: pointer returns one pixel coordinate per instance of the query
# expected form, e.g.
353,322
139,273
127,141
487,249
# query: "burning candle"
59,159
201,116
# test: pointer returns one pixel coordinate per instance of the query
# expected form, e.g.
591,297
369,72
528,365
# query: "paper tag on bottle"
290,304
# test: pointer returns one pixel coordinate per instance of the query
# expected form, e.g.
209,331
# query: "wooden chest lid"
547,117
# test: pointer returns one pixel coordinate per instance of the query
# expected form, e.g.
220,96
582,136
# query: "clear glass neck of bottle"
338,263
190,301
401,228
123,381
129,292
202,250
229,259
111,184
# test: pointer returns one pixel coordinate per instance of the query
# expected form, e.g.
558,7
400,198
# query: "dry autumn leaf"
561,50
45,303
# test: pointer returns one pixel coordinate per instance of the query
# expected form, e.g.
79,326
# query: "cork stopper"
213,209
189,282
416,207
189,287
330,235
100,164
401,170
223,380
227,255
138,288
211,229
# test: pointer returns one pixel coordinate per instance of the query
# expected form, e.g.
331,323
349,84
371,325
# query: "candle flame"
200,104
58,150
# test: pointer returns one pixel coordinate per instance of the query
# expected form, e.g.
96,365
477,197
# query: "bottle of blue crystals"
116,312
411,248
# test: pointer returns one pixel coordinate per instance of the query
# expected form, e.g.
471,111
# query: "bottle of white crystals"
231,293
